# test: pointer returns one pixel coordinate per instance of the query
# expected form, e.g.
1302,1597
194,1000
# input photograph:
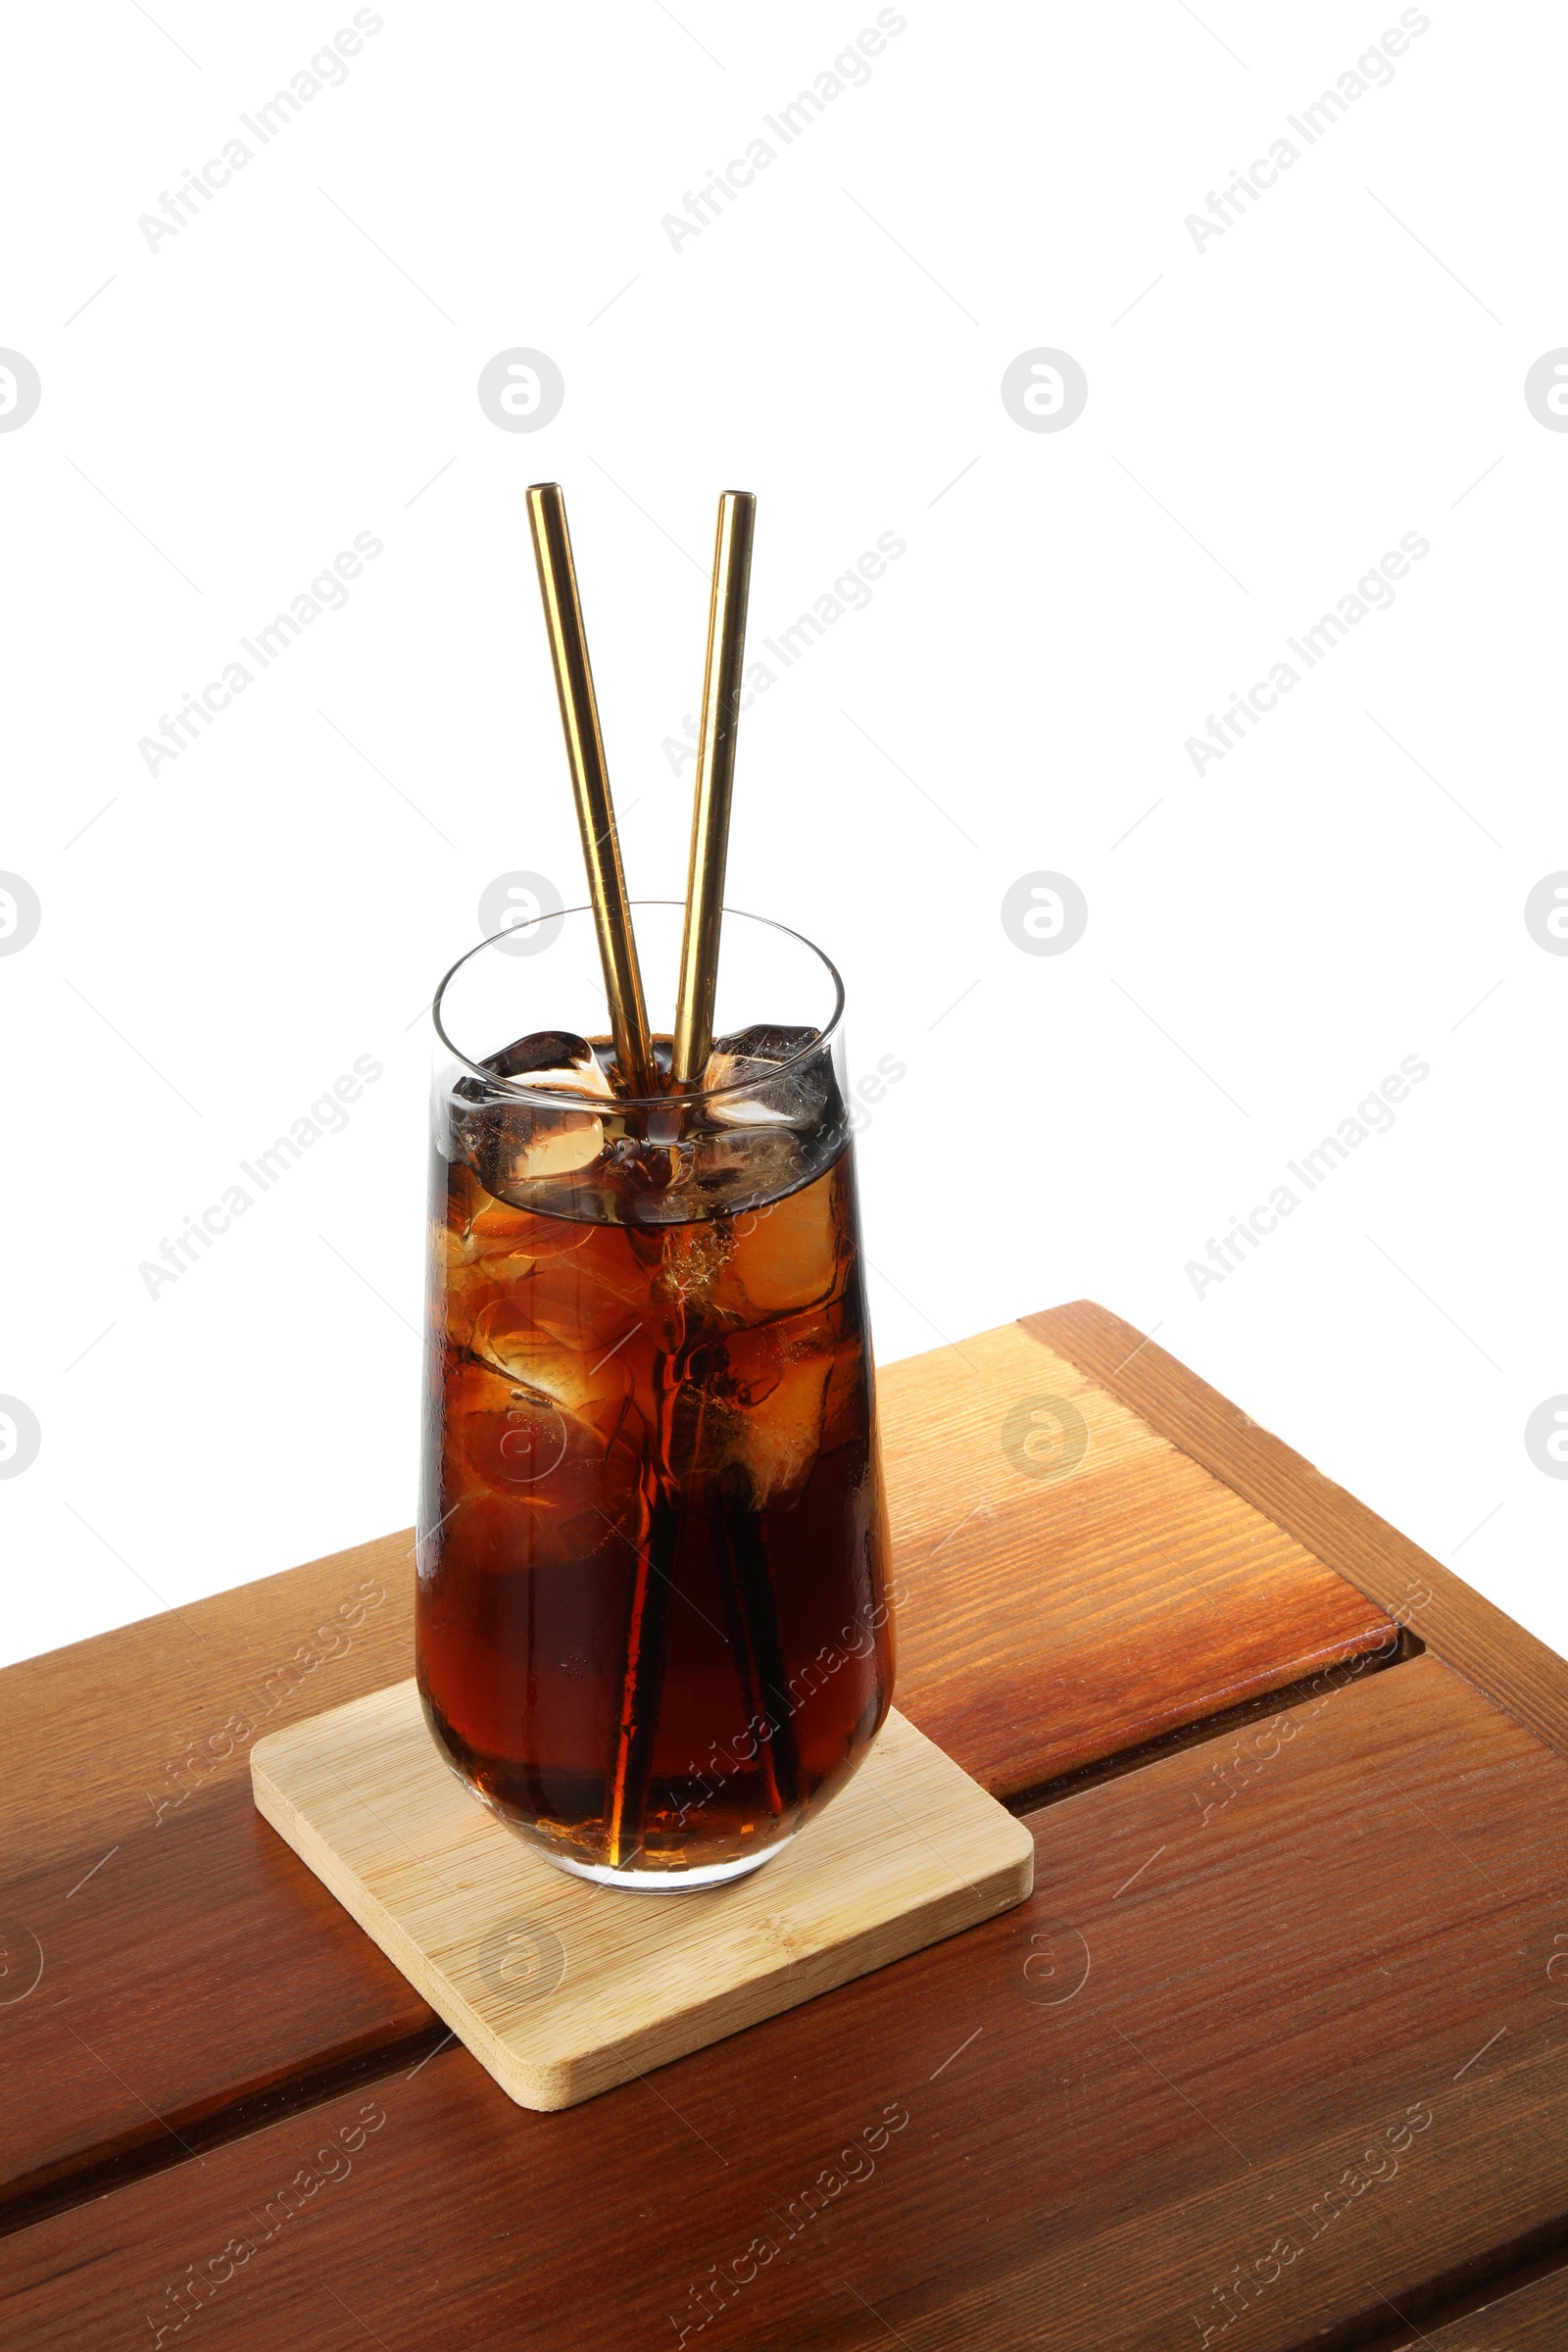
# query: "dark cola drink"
653,1629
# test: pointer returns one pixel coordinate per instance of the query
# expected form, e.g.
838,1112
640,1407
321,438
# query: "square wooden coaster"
561,1988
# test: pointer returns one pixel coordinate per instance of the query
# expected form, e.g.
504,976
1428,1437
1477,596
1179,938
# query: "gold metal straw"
590,782
715,777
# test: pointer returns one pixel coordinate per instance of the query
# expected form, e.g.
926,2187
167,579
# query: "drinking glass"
654,1633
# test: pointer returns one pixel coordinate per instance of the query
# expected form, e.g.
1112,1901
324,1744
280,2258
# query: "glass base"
667,1881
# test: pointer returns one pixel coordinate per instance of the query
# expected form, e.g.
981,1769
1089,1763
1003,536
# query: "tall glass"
653,1624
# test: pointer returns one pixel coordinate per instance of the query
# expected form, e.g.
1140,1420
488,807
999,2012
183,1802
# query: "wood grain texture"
1259,2052
1473,1635
1067,1603
211,1981
562,1988
141,1726
136,1874
1533,2319
157,2021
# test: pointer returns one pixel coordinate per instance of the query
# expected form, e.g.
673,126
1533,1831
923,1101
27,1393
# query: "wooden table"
1274,2055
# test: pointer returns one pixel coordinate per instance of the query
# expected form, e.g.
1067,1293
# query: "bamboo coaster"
562,1988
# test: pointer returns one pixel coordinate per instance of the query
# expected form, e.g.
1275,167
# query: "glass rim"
561,1100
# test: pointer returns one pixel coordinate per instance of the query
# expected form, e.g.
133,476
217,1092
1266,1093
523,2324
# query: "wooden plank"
1088,1598
140,1728
1324,2247
1531,2319
1039,1632
610,1983
135,1869
156,2023
1089,2121
1479,1638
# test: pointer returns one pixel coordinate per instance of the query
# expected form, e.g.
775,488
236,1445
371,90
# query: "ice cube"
785,1255
510,1143
514,1145
739,1168
554,1059
779,1436
772,1096
584,1502
539,1434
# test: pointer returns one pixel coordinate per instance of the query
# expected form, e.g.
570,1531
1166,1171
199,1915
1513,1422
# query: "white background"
1265,417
